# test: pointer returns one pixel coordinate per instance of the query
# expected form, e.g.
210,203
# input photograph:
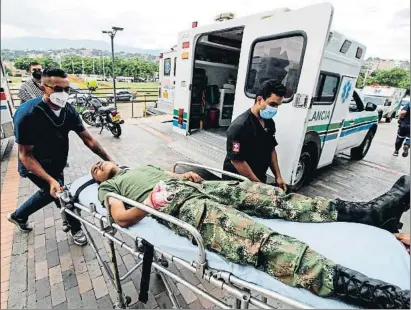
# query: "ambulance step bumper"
196,149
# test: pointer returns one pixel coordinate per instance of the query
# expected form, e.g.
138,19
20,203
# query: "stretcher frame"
107,228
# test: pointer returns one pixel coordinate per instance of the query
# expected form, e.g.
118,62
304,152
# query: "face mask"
59,98
36,74
269,112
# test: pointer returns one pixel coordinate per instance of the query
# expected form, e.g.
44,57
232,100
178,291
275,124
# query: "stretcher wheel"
128,300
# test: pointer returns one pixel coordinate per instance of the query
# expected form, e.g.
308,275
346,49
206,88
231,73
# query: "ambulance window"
359,53
346,45
326,89
276,58
175,65
167,66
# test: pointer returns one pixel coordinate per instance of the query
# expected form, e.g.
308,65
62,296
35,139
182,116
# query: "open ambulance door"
288,46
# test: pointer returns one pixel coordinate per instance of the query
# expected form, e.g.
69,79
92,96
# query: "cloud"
383,28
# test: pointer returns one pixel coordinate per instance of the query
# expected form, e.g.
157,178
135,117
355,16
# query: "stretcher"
367,249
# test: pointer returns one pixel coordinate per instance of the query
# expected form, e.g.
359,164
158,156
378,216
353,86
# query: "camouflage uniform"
221,213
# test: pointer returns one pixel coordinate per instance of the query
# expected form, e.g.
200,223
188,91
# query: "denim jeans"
41,199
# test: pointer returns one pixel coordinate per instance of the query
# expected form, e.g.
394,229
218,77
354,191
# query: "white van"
220,67
388,100
167,77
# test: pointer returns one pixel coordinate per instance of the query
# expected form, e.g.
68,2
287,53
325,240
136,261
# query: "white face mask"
59,99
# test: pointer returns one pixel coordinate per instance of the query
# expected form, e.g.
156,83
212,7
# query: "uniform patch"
236,147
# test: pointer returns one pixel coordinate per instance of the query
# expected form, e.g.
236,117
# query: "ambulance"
388,100
220,67
7,129
167,78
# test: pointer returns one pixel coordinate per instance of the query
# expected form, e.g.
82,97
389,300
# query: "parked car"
123,95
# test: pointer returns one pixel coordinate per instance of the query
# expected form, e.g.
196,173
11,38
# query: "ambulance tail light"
3,96
194,24
186,44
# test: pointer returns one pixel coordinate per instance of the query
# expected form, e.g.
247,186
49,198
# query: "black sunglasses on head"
59,89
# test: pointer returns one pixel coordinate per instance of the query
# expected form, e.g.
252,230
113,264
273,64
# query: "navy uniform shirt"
248,141
37,125
406,120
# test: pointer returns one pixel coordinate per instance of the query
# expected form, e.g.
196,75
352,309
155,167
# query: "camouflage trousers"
221,213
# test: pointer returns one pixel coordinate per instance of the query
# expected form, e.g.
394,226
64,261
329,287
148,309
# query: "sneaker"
405,153
25,227
395,153
79,237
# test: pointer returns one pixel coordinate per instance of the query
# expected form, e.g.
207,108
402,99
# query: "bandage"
159,197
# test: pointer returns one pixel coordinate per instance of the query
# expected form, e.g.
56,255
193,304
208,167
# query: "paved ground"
45,270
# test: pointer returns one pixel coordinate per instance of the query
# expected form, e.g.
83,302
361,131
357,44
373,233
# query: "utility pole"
112,34
104,72
82,64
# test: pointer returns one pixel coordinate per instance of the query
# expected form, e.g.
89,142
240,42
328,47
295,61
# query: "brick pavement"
48,271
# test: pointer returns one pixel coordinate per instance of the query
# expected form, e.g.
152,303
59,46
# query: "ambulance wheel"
306,165
359,152
379,116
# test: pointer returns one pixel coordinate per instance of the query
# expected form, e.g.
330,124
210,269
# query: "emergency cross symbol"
346,91
236,147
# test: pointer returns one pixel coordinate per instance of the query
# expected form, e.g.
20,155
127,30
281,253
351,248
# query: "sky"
383,26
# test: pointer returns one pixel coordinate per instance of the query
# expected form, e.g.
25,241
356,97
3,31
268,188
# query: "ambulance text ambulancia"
221,66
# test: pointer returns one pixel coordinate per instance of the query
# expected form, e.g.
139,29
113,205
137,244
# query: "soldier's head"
268,98
104,170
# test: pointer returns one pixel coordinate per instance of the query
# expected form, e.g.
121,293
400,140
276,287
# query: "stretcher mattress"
364,248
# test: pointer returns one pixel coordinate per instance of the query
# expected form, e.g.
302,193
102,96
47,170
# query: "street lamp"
111,34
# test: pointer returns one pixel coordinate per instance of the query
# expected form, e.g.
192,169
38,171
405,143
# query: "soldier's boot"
356,288
384,212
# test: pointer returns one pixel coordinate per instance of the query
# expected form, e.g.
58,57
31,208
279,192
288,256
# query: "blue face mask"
269,112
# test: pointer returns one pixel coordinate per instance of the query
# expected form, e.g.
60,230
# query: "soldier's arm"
125,217
190,176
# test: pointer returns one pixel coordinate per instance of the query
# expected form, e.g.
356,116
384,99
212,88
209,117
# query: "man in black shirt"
42,126
251,137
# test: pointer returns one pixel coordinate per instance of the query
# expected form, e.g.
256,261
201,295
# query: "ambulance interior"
214,81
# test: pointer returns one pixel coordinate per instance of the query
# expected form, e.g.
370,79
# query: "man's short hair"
269,88
34,63
50,72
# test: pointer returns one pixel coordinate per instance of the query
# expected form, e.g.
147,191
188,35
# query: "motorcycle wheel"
115,130
88,118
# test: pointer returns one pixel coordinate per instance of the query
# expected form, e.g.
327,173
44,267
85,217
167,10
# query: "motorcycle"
104,117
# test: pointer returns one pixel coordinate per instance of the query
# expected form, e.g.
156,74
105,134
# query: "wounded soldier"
221,210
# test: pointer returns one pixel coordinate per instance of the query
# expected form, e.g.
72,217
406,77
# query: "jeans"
402,134
41,199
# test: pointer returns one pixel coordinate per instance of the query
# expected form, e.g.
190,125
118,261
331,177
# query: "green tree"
396,77
23,63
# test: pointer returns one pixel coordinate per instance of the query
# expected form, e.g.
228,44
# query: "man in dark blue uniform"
251,137
403,131
42,127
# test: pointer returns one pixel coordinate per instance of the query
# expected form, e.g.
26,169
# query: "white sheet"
366,249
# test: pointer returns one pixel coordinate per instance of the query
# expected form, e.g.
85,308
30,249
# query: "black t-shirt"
247,140
37,125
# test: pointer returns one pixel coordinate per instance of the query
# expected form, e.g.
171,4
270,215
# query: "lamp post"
111,34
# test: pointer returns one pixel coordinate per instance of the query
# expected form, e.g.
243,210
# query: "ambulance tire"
306,165
359,152
379,116
388,119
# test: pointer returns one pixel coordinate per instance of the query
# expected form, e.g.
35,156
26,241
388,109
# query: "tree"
396,77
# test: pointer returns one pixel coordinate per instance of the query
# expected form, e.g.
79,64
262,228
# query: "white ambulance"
167,78
388,100
221,66
5,107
